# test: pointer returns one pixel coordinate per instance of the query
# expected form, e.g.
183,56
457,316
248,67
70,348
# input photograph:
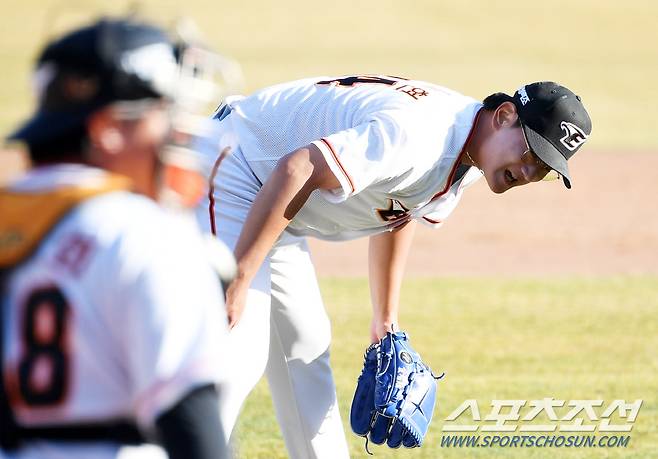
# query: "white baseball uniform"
114,316
395,146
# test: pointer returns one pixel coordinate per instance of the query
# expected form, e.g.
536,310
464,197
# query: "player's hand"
236,298
394,398
379,328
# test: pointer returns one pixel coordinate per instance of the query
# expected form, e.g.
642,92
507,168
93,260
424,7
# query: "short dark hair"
71,144
493,101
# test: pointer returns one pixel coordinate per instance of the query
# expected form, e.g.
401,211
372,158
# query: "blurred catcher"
111,329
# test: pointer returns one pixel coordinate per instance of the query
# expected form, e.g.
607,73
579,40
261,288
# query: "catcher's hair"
70,145
493,101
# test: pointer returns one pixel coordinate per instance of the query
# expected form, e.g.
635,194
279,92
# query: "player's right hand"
236,298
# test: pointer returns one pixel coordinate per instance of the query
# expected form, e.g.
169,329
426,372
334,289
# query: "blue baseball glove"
394,397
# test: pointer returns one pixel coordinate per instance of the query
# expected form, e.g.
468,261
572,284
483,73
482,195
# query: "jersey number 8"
42,373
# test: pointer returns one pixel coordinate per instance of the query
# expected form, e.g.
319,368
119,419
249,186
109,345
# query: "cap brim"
45,126
549,154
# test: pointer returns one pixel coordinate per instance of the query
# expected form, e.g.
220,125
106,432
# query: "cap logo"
523,95
574,136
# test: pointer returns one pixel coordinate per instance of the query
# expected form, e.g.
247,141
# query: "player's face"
128,137
509,162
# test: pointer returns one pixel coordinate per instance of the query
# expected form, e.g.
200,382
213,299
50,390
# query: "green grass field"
500,339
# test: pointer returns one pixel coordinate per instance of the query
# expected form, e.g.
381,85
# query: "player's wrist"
381,326
239,284
244,274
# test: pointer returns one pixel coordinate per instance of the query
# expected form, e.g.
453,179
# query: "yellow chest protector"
27,217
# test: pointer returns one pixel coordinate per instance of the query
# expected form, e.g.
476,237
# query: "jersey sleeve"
173,319
364,154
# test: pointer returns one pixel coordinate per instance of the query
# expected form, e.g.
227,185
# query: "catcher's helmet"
91,67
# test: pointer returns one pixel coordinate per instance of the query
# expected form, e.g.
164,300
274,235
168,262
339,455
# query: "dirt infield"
607,224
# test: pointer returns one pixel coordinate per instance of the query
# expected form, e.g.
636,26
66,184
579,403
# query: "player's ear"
104,132
505,115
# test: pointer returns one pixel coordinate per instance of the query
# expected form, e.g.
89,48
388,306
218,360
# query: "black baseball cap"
91,67
555,123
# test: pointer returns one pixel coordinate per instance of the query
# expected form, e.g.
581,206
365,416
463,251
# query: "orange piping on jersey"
434,222
453,171
333,153
211,188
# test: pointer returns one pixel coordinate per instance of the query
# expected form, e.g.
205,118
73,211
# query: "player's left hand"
394,397
379,328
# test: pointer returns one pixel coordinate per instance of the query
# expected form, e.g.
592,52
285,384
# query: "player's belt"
222,112
122,432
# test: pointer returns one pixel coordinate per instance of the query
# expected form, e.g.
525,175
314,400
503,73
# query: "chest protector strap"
27,217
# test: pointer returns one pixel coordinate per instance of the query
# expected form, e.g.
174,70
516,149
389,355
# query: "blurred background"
604,50
538,292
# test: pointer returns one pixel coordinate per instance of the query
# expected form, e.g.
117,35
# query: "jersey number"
42,373
412,91
353,80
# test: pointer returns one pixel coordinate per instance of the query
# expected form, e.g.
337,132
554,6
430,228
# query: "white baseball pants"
284,330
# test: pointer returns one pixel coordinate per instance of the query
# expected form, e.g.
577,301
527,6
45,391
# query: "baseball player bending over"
344,157
111,328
